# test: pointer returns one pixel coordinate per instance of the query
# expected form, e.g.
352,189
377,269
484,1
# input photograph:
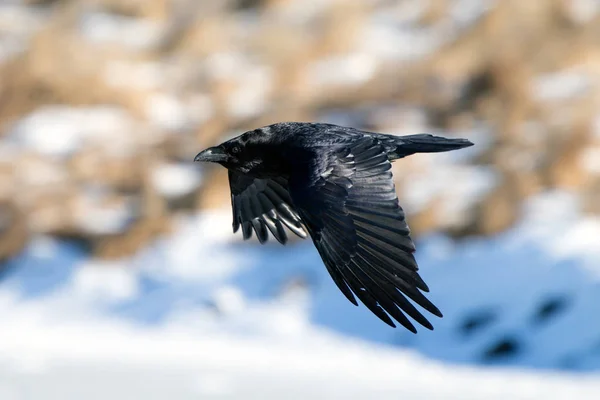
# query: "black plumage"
335,184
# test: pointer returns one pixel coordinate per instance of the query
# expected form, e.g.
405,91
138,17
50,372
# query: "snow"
590,159
396,32
252,82
185,367
199,315
93,213
384,40
299,12
18,23
170,113
250,97
448,176
561,85
104,282
176,179
134,33
59,131
464,13
350,69
166,112
582,11
460,187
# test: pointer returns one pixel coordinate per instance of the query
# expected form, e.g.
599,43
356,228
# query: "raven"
335,183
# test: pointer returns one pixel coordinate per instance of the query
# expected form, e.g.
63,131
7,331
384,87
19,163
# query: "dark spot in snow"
504,348
477,321
550,308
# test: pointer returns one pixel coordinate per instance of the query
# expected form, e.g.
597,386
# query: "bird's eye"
236,149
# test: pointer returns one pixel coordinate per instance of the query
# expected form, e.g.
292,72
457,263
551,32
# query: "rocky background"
104,103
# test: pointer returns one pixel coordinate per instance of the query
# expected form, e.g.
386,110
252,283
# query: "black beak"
212,154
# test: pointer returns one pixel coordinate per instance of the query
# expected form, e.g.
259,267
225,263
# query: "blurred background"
119,273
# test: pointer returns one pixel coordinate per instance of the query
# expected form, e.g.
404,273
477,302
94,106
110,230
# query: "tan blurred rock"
50,212
209,34
426,220
527,183
13,231
215,193
126,244
436,10
7,181
497,212
208,134
342,25
565,169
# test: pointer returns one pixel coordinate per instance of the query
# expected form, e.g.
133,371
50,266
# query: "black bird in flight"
336,184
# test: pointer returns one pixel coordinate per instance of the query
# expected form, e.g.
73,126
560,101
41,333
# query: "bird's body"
336,183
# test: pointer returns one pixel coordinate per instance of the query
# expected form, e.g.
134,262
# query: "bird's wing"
349,205
263,205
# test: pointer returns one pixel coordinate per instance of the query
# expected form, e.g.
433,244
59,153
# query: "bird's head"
250,153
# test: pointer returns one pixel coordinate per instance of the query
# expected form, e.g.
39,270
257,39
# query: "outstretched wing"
349,205
263,205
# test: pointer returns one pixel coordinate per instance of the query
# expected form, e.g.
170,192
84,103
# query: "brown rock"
215,193
13,231
498,211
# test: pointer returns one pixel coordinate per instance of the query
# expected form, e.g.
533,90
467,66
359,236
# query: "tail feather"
402,146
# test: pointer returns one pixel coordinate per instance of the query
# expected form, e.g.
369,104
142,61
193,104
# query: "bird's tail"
423,143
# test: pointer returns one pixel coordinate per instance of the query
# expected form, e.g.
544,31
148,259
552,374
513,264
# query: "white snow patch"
464,13
105,281
299,12
561,85
17,25
590,159
225,65
166,112
135,33
176,180
229,300
253,82
582,11
231,366
251,95
43,247
349,69
459,186
94,213
403,120
385,40
395,32
197,250
61,130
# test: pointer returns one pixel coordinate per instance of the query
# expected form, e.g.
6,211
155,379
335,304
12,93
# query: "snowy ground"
200,316
125,364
